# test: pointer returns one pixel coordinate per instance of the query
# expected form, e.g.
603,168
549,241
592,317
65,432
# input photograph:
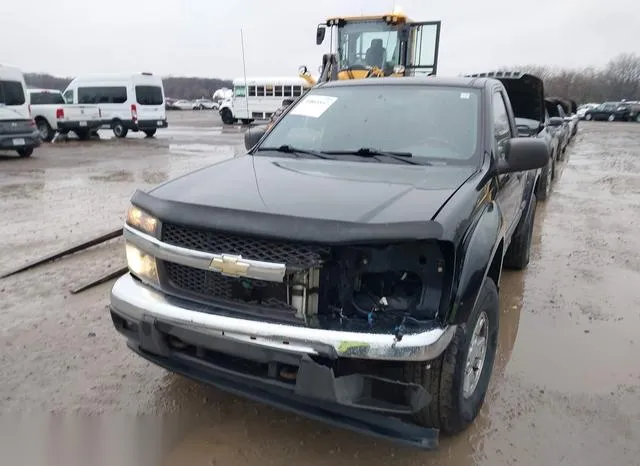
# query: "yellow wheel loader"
376,46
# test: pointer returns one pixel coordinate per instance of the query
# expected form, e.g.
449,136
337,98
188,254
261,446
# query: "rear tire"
26,152
150,132
519,251
118,129
246,121
451,409
46,133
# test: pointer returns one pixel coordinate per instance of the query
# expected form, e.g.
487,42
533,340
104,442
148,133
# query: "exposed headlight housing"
141,264
140,220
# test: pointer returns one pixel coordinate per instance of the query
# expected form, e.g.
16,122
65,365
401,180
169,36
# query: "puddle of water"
31,190
114,176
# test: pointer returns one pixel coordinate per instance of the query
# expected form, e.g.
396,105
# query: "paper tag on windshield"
465,95
313,106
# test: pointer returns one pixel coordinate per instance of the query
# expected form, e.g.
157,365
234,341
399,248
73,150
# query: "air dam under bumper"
218,351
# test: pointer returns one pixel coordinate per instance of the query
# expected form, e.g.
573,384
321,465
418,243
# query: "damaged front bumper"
283,365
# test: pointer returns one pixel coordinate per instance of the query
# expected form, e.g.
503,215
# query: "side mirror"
320,33
253,135
523,154
556,121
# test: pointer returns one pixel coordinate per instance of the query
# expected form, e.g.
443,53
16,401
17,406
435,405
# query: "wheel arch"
482,252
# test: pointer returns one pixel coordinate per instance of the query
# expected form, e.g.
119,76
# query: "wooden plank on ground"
65,252
100,280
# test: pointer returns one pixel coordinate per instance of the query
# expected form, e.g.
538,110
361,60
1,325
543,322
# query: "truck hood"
526,93
336,190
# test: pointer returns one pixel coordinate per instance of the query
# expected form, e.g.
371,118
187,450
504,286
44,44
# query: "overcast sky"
202,37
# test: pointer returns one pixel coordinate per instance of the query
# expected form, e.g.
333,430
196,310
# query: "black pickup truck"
347,267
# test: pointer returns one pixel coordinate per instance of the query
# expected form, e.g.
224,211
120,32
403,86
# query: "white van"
132,101
18,131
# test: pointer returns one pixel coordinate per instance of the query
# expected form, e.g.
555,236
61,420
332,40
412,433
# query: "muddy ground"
567,385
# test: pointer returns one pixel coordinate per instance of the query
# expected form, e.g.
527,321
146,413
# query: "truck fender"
481,244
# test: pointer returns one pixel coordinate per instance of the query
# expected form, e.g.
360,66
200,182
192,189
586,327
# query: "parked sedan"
604,111
582,109
183,104
628,111
205,104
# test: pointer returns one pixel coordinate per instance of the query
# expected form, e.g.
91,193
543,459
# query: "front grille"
294,255
206,284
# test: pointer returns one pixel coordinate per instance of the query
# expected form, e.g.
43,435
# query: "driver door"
423,44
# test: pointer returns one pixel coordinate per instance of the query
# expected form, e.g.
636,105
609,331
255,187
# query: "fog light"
141,264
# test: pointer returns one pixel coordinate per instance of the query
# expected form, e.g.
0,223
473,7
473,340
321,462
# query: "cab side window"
68,96
501,128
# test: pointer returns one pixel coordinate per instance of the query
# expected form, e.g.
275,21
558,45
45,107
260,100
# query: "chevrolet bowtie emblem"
229,265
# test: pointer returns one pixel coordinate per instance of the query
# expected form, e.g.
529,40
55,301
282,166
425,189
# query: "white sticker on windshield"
465,95
313,105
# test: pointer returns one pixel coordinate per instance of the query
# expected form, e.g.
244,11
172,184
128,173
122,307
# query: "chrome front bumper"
135,301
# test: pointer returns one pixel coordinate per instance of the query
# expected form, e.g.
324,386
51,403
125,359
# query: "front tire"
119,129
612,117
459,378
588,117
227,116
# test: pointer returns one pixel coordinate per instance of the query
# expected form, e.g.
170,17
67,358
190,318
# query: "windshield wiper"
368,152
294,150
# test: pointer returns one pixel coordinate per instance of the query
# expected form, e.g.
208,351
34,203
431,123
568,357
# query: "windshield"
371,43
432,123
46,98
11,93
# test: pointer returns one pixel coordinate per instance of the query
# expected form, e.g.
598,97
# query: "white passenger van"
128,101
259,98
18,131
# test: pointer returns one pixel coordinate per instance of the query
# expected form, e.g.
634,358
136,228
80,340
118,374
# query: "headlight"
141,264
140,220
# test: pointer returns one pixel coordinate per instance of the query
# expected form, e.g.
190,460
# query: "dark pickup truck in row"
347,267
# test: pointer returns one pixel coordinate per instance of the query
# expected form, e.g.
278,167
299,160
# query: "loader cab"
377,46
